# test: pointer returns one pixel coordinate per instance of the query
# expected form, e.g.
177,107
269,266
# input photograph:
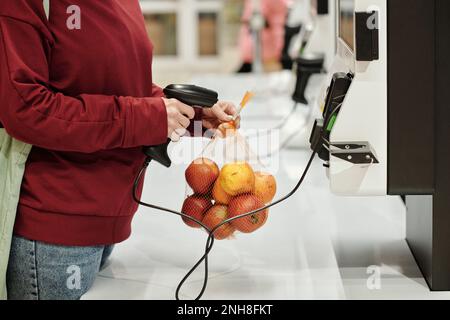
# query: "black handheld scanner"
191,95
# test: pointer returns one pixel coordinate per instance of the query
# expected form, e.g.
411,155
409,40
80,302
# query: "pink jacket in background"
275,12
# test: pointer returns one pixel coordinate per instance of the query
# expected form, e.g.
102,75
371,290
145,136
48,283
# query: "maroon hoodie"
78,87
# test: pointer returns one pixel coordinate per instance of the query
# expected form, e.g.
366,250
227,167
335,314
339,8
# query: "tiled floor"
314,246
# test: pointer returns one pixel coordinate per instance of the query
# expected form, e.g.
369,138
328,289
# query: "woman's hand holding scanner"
179,116
179,99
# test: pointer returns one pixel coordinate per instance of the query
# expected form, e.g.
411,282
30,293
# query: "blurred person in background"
272,37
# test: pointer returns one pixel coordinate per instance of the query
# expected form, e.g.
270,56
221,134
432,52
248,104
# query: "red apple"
201,175
245,204
195,207
215,216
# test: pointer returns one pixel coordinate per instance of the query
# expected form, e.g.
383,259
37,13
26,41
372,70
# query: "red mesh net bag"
227,180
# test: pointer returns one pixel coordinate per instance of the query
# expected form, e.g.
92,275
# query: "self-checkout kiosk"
384,128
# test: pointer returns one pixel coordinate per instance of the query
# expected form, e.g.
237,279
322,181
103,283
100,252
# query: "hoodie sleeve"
32,112
157,91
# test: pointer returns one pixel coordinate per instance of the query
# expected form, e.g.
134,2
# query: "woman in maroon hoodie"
78,87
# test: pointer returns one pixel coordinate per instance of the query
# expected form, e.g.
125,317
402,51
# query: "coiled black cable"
210,240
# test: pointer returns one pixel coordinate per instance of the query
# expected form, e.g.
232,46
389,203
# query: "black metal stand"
307,65
419,129
428,228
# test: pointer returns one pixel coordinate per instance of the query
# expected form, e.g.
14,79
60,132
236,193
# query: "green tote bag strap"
13,157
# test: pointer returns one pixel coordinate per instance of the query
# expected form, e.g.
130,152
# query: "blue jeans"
40,271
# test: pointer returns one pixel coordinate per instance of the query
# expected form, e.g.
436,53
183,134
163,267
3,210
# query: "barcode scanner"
191,95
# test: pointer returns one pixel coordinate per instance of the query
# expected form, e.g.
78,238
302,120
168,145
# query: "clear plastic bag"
227,180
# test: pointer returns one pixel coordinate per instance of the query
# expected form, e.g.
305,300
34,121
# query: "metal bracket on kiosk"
354,152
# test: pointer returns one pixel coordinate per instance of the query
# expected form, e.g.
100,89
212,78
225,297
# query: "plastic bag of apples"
227,180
